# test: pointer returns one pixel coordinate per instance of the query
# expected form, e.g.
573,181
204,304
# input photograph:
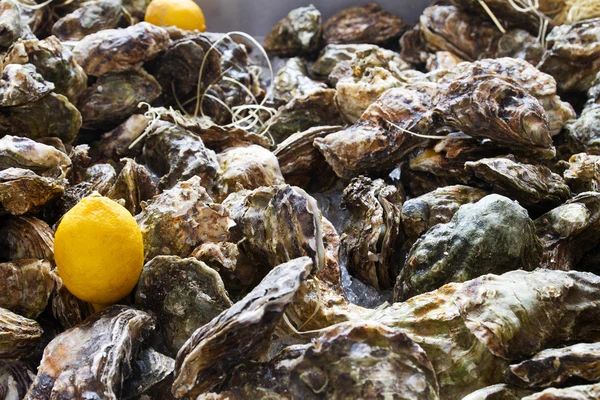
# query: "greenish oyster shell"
25,286
437,207
178,220
583,133
149,369
12,24
569,231
367,23
66,308
247,168
298,33
94,358
516,43
21,84
573,55
240,333
573,392
373,234
53,61
134,184
532,185
26,237
44,160
115,96
15,379
91,17
117,50
184,294
352,360
23,191
493,235
51,116
553,367
19,337
292,80
333,54
174,153
583,174
500,391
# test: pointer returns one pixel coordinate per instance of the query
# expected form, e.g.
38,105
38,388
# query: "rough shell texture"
20,84
19,336
90,17
15,379
149,369
500,391
298,33
12,25
25,286
573,392
583,133
333,54
134,184
443,60
292,80
44,160
23,191
116,143
26,237
516,43
583,174
66,308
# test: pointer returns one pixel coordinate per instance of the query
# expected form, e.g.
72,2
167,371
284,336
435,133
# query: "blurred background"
257,17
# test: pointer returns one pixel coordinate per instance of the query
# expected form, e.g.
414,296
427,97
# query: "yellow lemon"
184,14
99,251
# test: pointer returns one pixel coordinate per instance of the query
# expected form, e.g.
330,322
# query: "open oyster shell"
12,24
21,84
493,235
91,17
25,286
19,336
298,33
134,184
184,294
26,237
583,174
23,191
15,379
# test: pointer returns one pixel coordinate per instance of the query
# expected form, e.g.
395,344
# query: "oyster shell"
333,54
298,33
116,144
414,47
437,207
117,50
149,369
573,392
134,185
368,23
101,178
23,191
493,235
19,336
501,391
442,60
239,333
175,154
224,257
184,294
23,153
20,84
12,24
292,81
516,43
583,174
53,61
26,237
179,219
15,379
90,17
26,286
115,96
66,308
583,134
94,358
372,235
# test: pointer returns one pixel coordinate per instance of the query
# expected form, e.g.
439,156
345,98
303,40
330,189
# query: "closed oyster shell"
573,392
442,60
26,237
516,43
583,134
372,235
134,185
184,294
91,17
368,23
117,50
24,153
224,257
15,379
240,333
20,84
66,308
19,336
94,358
25,286
493,235
500,391
292,80
23,191
150,368
12,25
333,54
583,174
115,96
116,143
101,177
298,33
179,219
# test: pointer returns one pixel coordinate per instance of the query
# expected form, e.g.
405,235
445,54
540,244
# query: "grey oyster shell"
500,391
134,184
184,294
20,84
292,80
115,144
241,332
176,221
94,358
516,43
12,24
15,379
24,153
25,286
368,23
372,235
23,191
333,54
583,133
583,174
298,33
19,336
573,392
149,369
90,17
117,50
437,207
26,237
493,235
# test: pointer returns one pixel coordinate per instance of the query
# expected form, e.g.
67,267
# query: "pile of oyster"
408,212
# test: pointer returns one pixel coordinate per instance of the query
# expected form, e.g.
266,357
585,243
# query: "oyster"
23,191
23,153
15,379
247,168
368,23
66,308
414,47
101,177
94,358
149,369
372,236
20,84
583,134
184,294
333,54
25,286
583,174
53,61
115,96
26,237
529,184
134,185
19,336
437,207
117,50
493,235
500,391
552,367
298,33
179,219
239,333
516,43
136,8
442,60
573,392
116,144
91,17
224,257
12,25
175,154
292,81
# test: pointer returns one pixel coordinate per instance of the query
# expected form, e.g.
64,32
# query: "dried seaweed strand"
492,16
464,136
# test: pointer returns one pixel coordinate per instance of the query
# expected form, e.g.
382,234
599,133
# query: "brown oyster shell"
23,191
583,174
442,60
333,54
224,257
13,25
19,336
150,370
573,392
24,153
292,80
516,43
15,379
66,308
91,17
134,184
26,286
21,84
26,237
583,134
298,33
116,144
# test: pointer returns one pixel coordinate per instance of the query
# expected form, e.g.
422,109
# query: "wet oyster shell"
501,391
583,134
368,23
20,84
134,184
493,235
94,358
179,219
240,333
150,368
116,144
12,25
292,80
66,308
224,257
91,17
298,33
372,235
333,54
25,286
19,336
583,174
15,379
26,237
184,294
573,392
24,153
115,96
23,191
101,177
414,47
117,50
